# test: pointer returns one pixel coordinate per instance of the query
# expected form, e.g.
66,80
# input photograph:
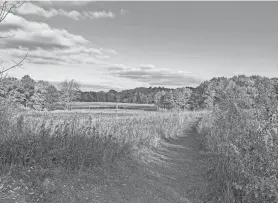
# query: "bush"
245,145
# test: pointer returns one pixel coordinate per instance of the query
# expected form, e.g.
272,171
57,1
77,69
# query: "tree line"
42,95
39,95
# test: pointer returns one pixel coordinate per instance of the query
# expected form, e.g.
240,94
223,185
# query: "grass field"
111,105
70,156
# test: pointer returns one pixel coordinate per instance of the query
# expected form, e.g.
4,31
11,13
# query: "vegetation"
241,132
42,95
50,156
36,150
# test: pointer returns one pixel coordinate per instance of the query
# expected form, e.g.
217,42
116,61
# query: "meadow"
111,105
75,156
45,156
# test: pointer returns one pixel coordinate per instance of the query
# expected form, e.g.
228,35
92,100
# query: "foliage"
258,92
245,143
69,90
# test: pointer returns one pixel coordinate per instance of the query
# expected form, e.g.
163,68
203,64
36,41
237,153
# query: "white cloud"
63,3
37,34
102,56
70,56
33,9
124,11
112,51
146,66
97,14
46,45
147,73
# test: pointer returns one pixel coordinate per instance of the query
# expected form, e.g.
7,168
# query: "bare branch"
17,64
7,8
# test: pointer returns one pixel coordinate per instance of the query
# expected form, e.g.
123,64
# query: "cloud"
97,14
62,3
33,9
56,56
124,11
146,66
102,56
117,67
149,74
31,34
111,51
46,45
95,87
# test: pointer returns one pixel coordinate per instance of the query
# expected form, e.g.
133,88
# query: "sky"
123,45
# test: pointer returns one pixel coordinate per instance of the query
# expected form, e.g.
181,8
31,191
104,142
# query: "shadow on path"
172,173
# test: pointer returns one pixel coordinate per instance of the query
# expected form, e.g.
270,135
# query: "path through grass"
170,171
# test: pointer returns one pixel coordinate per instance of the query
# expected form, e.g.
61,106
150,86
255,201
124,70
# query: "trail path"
173,173
170,173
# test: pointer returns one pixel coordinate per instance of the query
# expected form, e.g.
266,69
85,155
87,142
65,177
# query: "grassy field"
69,156
108,113
111,105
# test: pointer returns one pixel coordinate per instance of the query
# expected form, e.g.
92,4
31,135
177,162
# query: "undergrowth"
244,144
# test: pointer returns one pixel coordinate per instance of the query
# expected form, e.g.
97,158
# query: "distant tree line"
39,95
161,96
255,90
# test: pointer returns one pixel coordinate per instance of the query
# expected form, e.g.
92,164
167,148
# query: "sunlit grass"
41,150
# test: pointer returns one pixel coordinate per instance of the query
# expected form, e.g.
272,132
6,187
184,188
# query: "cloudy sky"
123,45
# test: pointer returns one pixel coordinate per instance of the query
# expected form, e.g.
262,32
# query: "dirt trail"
173,173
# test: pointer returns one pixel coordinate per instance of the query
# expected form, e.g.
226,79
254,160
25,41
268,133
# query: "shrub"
245,145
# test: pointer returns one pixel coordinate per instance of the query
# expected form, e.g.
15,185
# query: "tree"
101,96
52,96
29,86
182,97
111,96
12,89
39,98
168,100
17,94
68,91
157,97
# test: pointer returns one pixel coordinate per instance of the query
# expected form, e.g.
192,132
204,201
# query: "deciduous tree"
68,91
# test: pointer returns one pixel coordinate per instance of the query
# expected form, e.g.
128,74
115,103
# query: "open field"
201,79
111,105
44,158
108,113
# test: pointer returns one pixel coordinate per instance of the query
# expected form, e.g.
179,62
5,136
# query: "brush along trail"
172,172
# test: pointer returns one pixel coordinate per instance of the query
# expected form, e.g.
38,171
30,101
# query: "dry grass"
113,105
43,156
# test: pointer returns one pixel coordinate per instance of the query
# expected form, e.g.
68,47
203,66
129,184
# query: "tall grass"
245,154
34,147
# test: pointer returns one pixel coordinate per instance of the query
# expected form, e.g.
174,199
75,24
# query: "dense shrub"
245,147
